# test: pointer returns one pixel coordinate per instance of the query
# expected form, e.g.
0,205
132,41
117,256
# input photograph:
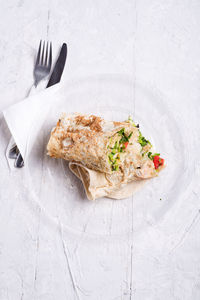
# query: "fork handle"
19,162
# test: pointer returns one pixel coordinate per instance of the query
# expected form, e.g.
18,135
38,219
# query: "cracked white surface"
157,41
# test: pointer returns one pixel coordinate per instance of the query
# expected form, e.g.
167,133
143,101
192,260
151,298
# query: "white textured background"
158,41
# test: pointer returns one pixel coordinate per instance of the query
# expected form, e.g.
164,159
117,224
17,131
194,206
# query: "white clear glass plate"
62,195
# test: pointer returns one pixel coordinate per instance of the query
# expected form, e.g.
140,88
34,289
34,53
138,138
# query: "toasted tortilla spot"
93,122
117,124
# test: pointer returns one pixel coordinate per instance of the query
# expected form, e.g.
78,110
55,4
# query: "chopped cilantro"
110,156
121,132
116,145
124,138
115,167
130,135
149,155
143,142
152,156
114,151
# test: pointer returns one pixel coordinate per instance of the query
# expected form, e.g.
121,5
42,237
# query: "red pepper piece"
158,161
125,144
161,161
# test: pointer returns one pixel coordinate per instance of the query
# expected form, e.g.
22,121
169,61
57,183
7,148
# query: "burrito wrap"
96,144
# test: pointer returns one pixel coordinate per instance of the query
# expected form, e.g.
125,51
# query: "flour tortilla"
89,140
91,145
97,185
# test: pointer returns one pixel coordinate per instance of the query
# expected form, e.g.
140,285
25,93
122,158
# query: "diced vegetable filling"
121,143
119,147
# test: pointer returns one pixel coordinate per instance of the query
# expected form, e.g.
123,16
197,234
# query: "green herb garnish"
149,155
116,145
130,135
115,168
143,142
124,138
152,156
121,132
110,156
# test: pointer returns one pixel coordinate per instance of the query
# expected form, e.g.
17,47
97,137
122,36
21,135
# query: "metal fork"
43,62
41,71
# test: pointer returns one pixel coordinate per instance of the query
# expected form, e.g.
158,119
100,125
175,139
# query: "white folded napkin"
26,118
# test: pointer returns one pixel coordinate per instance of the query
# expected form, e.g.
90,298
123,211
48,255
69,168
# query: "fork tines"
44,59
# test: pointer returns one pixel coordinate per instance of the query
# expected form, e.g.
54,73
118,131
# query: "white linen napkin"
26,118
